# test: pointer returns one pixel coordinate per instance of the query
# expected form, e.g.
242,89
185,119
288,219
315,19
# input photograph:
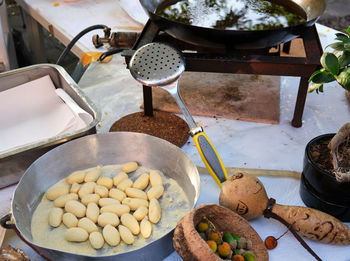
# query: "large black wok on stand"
235,44
254,39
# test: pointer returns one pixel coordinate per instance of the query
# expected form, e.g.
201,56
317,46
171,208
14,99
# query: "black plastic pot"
320,190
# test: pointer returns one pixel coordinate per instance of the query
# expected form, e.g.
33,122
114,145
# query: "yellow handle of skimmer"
210,157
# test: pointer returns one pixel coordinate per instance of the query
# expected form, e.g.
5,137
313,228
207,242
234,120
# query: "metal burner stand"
260,62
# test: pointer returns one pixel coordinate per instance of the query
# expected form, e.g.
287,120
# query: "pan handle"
4,222
209,155
205,148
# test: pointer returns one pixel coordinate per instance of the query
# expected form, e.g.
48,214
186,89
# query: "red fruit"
270,242
237,258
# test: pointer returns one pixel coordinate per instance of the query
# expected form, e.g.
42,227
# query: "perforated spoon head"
157,64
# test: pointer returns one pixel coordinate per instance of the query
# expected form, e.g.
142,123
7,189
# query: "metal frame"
7,50
242,62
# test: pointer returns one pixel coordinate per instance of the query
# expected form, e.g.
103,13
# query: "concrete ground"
53,48
337,16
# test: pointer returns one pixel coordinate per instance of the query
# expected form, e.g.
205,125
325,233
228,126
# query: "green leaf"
344,79
314,73
339,46
344,59
322,77
342,37
347,46
341,34
348,30
330,62
320,89
313,87
336,53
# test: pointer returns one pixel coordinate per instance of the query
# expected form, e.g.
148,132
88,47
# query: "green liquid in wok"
233,14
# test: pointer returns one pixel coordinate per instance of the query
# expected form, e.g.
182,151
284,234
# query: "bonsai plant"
335,65
325,181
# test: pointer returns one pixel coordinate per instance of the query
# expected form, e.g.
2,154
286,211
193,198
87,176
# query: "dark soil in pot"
319,189
320,154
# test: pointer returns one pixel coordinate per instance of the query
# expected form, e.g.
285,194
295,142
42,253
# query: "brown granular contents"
10,253
163,125
321,155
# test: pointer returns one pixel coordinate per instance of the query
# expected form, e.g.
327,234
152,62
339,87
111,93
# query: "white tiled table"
240,144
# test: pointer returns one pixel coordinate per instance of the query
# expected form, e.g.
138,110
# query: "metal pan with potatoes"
83,193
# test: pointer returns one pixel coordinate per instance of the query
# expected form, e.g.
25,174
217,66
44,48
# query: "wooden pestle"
314,224
246,195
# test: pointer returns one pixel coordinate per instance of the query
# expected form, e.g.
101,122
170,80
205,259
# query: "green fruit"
227,237
249,257
236,237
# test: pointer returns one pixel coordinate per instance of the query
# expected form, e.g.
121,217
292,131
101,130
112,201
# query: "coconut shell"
190,246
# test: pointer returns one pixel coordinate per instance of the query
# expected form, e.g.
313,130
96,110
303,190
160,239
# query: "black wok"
217,38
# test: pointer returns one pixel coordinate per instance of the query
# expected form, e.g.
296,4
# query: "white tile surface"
240,144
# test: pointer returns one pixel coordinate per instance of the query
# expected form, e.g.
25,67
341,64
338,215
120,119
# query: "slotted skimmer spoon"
160,65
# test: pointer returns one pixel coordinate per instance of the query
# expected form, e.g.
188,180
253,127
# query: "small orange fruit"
215,237
212,244
224,249
237,258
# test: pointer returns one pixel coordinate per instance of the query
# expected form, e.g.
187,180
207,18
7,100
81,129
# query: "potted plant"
335,65
325,181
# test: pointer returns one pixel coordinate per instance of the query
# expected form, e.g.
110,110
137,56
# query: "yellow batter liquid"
174,205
